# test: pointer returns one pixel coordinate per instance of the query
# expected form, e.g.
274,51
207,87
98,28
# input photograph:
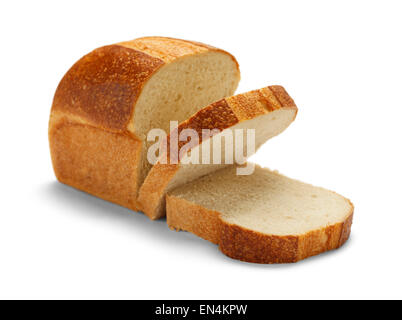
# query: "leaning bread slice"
266,112
264,217
108,101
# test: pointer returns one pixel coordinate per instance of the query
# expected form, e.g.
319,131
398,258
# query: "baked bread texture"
107,102
106,105
262,218
268,111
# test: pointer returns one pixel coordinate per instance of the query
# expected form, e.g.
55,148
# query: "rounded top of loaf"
102,88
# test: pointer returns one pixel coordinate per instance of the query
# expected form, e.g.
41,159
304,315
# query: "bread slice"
269,111
108,101
263,218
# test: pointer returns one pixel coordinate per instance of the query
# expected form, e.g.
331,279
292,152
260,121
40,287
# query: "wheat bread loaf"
108,101
264,217
269,111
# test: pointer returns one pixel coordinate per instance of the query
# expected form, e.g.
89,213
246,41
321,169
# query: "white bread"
269,111
263,218
107,102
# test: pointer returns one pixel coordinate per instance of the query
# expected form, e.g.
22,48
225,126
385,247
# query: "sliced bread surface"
264,217
268,111
107,102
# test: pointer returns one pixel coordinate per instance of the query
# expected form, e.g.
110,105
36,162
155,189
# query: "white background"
340,61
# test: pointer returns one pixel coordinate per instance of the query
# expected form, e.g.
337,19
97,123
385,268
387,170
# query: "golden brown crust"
93,107
247,245
251,246
217,115
103,86
346,227
96,161
90,146
165,49
220,115
173,48
188,216
257,102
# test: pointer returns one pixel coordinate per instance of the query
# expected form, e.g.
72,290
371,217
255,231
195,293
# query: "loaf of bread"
268,111
108,101
263,218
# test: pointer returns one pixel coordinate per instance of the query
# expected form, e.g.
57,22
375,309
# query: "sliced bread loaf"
108,101
268,111
263,218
